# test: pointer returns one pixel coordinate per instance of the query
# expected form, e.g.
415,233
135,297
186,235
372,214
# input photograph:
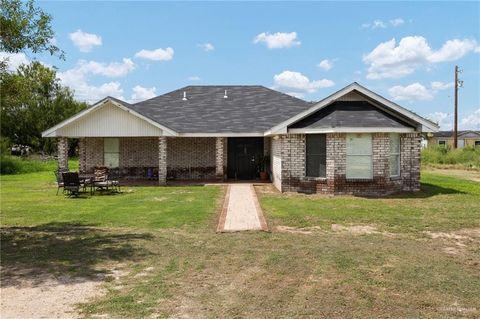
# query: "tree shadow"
75,250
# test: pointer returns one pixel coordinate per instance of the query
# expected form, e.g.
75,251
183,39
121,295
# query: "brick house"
352,142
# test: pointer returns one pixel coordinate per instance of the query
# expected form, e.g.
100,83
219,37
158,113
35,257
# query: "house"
464,138
352,142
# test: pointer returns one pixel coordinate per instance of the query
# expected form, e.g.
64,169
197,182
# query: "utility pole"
458,84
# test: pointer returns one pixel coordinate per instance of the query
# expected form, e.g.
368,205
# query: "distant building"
445,138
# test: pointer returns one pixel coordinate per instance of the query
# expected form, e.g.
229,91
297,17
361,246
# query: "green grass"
444,203
173,264
19,165
29,200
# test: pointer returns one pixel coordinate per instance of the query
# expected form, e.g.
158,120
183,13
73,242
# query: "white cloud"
296,82
85,41
14,60
444,120
437,85
206,47
389,60
156,55
397,22
141,93
326,64
78,78
471,121
378,24
194,78
278,40
412,92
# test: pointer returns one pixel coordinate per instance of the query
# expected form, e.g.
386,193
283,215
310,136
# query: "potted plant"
263,166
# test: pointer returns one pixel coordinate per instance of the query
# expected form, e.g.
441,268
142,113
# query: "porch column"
82,155
219,164
62,154
162,160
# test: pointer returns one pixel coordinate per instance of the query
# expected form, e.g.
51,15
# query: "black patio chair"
113,178
71,183
59,179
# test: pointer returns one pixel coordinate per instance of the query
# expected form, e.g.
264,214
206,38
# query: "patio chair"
71,183
59,179
113,177
100,178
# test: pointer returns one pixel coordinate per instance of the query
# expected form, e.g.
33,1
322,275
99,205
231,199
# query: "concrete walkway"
241,210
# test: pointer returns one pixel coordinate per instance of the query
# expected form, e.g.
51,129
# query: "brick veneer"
162,160
291,150
62,145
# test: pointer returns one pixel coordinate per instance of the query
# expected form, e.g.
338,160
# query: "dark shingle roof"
463,133
350,114
248,109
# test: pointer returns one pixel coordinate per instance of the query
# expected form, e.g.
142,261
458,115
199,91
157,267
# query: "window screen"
316,155
359,156
394,155
111,152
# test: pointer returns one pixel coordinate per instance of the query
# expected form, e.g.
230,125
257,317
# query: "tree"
32,100
26,27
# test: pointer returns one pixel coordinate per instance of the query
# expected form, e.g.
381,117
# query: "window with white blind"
316,155
111,152
394,155
359,156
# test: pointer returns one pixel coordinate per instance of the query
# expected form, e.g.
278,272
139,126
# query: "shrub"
468,157
18,165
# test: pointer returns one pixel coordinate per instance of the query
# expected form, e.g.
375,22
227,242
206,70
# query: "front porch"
158,160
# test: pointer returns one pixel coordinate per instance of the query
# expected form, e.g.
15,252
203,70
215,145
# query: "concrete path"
241,210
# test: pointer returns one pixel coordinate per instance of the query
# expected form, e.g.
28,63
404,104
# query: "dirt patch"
53,298
461,239
358,230
294,230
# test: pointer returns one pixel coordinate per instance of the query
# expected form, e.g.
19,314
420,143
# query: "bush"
18,165
468,157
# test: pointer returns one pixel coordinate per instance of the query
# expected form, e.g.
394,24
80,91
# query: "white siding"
109,121
351,96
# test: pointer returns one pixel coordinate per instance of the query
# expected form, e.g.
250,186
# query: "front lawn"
156,251
29,199
444,203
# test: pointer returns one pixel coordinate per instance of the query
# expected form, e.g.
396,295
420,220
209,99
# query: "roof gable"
353,91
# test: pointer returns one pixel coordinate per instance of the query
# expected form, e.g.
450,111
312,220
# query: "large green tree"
25,27
33,100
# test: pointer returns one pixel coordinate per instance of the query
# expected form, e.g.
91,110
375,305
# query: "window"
477,143
111,152
316,155
394,155
442,143
359,156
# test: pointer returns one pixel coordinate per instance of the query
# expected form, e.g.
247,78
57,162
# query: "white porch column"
62,155
162,160
219,161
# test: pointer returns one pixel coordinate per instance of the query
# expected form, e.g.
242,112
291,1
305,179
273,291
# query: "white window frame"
396,153
106,152
353,155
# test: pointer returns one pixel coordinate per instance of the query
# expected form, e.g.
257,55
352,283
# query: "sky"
405,51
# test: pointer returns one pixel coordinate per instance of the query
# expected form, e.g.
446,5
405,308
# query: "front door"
243,156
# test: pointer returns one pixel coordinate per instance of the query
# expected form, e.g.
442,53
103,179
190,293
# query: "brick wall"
292,150
191,158
62,153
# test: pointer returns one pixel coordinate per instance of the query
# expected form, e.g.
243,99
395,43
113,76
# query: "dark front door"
243,156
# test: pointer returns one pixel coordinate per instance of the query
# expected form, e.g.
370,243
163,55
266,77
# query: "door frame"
233,157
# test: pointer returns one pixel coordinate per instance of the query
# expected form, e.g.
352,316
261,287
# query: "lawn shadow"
426,190
75,250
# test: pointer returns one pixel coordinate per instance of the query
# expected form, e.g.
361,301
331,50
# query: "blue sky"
404,51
